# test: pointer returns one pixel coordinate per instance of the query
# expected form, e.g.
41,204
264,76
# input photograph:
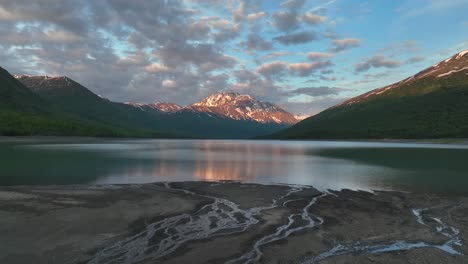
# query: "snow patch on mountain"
461,54
447,67
157,106
452,71
165,107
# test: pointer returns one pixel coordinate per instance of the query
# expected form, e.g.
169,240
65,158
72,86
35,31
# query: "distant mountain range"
430,104
158,106
63,100
228,104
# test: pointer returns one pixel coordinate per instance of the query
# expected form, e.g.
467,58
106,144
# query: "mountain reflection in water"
325,165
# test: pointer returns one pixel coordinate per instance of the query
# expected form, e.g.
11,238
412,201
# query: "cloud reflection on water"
325,165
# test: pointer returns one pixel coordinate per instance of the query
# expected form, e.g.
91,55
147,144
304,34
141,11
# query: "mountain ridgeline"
243,107
44,105
22,112
430,104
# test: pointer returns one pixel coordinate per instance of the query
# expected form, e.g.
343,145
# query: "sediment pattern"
159,239
296,223
423,217
228,222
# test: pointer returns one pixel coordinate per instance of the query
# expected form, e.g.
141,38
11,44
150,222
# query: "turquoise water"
325,165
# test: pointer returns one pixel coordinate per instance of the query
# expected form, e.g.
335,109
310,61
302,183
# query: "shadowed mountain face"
430,104
72,98
15,96
23,112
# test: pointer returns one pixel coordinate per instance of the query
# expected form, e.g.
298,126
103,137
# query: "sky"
304,55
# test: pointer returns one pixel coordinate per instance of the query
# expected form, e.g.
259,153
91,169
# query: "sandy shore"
202,222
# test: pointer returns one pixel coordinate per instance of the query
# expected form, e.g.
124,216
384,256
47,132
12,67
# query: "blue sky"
302,55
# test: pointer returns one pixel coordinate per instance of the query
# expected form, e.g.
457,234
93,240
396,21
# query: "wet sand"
228,222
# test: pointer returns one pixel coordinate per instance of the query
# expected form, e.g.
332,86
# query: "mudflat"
228,222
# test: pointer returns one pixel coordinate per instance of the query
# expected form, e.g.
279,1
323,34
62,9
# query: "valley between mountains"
430,104
44,105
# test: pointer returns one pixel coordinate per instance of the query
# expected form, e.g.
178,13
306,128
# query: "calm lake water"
325,165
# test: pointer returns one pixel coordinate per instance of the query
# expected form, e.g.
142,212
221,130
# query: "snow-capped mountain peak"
228,104
220,98
157,106
165,107
238,106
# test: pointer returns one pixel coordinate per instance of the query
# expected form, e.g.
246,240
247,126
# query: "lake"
415,167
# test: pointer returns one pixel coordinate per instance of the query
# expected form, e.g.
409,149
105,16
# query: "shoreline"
446,141
228,222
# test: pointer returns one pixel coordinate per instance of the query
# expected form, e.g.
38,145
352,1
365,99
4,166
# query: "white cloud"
344,44
158,68
60,36
313,19
256,16
319,55
169,83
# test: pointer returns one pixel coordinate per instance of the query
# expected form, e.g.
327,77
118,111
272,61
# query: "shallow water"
325,165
